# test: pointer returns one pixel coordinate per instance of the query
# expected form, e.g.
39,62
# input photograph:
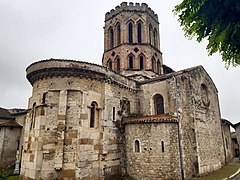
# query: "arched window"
150,34
139,30
109,64
93,114
153,64
159,104
141,62
111,38
136,146
155,38
118,65
118,34
130,32
158,66
130,62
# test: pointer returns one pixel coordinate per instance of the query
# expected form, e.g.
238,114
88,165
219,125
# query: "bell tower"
132,42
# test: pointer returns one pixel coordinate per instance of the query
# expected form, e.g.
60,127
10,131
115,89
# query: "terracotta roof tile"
165,118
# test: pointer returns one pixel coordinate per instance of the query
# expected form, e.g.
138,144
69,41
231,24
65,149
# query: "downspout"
179,133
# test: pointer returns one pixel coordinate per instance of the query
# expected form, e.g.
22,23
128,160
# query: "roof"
237,124
9,123
5,114
227,122
161,118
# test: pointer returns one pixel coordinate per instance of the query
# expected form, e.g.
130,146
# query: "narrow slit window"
139,32
111,38
118,34
158,67
118,65
162,143
130,33
92,114
130,64
137,146
113,113
141,62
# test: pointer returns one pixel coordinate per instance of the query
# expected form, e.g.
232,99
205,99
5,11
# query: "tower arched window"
136,146
141,59
150,34
130,62
118,65
93,114
139,30
158,66
118,34
111,32
159,104
130,32
109,64
153,64
155,38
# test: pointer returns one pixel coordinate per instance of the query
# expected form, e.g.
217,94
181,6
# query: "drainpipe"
179,131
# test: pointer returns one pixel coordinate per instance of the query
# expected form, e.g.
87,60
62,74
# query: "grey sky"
32,30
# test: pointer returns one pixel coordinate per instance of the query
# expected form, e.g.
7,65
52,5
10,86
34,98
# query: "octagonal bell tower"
132,42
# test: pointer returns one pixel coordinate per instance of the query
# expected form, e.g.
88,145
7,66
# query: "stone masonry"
87,121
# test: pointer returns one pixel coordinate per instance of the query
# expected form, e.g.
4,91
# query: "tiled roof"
161,118
9,123
5,114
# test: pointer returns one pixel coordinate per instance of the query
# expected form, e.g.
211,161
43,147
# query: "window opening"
110,64
113,113
118,34
137,146
139,32
111,38
150,34
155,37
92,114
118,65
130,32
159,104
162,142
141,62
153,64
130,64
158,66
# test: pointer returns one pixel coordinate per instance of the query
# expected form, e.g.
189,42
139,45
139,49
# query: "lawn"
222,173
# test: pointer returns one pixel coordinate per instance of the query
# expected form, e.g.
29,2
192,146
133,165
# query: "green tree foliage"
216,20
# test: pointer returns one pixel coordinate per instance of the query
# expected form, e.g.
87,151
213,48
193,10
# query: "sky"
33,30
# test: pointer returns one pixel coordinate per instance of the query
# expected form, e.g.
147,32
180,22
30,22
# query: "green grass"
6,174
13,178
222,173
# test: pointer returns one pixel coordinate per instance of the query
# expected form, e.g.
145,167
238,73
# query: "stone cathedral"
130,118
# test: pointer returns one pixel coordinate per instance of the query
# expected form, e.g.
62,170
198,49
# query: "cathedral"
130,118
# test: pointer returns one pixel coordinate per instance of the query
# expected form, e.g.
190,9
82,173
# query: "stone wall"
228,143
196,105
9,137
158,156
59,142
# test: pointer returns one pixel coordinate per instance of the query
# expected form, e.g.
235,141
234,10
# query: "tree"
216,20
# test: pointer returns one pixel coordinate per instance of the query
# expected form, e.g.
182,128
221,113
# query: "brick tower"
132,42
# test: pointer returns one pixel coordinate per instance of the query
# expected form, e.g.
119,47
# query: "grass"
7,174
222,173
